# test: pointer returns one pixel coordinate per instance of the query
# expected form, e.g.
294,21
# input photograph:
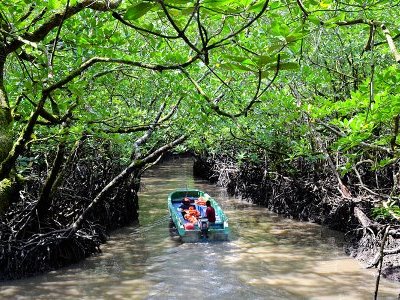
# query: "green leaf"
263,60
187,11
385,162
218,3
257,7
137,11
295,37
238,59
279,29
178,2
235,67
314,19
289,66
54,4
284,66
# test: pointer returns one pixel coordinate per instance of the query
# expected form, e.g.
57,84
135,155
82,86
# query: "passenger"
210,212
185,205
201,201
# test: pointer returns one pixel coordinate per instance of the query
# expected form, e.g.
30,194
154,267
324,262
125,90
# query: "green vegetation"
253,80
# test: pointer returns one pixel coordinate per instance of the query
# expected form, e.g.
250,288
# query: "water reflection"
268,257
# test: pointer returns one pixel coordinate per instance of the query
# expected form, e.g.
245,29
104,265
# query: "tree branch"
24,137
217,44
303,9
364,144
257,96
181,33
391,44
57,18
135,153
44,113
245,111
393,143
95,60
252,142
56,38
121,19
134,165
204,95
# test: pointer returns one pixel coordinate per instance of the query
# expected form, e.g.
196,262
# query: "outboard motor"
203,225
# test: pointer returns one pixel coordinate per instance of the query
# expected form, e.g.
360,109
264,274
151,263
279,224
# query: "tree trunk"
43,205
6,138
5,130
5,115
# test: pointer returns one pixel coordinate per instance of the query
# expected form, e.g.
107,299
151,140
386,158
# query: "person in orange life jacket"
210,212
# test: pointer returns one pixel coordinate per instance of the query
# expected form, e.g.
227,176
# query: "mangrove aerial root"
30,245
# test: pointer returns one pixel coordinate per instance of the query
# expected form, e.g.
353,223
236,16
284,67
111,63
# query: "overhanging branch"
134,165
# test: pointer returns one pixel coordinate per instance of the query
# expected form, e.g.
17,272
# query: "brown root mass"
302,192
29,246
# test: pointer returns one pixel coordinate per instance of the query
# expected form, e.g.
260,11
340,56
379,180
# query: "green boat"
198,229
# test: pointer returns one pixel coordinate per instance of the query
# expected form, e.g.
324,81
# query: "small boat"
192,224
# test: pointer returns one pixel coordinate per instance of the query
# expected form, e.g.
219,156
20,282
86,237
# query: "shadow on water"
267,257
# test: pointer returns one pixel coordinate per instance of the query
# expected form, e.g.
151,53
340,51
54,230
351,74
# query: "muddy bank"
303,196
29,245
303,192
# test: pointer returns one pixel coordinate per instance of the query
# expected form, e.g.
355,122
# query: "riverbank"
30,246
310,195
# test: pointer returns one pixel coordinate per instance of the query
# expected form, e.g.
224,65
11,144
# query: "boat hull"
218,231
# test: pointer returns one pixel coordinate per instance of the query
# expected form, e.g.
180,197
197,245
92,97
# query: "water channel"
267,257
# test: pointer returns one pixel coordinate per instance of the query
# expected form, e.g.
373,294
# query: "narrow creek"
267,257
